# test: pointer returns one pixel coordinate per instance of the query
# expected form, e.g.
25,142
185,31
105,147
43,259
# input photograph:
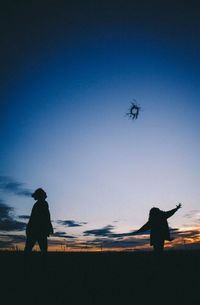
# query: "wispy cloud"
193,218
10,185
186,234
5,243
70,223
7,219
63,235
123,243
10,240
192,214
107,231
25,217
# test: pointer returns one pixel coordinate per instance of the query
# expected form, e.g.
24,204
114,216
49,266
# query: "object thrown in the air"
133,111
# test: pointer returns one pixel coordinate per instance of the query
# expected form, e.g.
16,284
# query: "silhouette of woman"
39,225
158,226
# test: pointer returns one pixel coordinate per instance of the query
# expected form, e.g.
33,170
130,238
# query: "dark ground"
100,279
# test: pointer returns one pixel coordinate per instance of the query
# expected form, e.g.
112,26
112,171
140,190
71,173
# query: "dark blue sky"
69,70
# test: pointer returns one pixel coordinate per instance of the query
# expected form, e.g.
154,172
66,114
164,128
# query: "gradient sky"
69,71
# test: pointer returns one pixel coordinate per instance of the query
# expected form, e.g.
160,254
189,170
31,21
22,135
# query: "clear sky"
70,70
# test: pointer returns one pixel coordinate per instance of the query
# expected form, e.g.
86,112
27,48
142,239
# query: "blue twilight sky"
70,70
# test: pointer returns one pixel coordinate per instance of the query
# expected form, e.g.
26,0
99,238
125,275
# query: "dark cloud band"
71,223
10,185
7,220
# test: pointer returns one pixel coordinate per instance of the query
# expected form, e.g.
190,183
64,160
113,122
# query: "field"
100,278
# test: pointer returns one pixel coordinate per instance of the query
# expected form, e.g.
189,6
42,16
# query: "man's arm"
49,224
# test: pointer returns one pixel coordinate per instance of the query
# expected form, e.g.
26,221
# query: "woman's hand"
178,206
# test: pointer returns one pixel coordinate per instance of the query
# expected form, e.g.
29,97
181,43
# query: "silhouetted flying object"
39,226
134,111
158,226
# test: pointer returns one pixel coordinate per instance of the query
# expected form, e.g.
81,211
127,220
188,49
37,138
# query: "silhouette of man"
39,226
158,226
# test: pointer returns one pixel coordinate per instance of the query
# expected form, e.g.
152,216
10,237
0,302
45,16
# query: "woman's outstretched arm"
144,228
171,212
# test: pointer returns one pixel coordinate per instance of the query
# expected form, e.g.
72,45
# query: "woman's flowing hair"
154,215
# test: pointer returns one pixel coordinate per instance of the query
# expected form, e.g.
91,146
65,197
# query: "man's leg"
30,242
42,241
